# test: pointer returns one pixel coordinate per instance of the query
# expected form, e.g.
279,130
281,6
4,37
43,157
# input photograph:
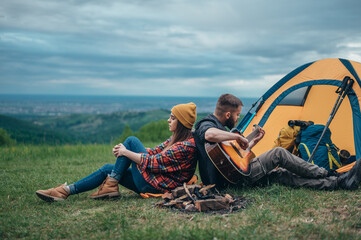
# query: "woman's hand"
115,150
119,150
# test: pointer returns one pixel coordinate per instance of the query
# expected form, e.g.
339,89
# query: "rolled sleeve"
202,129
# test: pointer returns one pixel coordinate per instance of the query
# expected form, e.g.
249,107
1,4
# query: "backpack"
327,153
287,138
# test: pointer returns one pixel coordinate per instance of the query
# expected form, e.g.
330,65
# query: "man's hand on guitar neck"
255,140
216,135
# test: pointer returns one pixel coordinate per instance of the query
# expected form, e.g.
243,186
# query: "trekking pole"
254,114
346,86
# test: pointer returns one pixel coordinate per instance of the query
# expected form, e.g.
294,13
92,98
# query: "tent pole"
253,114
346,86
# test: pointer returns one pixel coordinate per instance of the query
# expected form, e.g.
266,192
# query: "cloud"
160,47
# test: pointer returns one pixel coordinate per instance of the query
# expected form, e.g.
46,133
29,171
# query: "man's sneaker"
108,189
352,178
58,193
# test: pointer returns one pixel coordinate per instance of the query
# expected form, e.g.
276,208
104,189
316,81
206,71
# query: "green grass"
276,212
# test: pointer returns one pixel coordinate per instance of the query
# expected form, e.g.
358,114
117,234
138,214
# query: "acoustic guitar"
230,159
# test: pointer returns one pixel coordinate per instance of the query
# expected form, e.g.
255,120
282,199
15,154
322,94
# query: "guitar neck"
253,134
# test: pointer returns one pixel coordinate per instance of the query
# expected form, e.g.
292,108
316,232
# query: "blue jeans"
129,177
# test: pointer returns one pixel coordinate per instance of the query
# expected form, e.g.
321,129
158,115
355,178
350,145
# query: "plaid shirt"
171,168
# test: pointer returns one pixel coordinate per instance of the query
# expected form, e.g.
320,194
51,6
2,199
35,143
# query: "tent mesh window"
297,97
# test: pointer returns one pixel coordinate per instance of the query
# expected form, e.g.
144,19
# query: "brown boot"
108,189
58,193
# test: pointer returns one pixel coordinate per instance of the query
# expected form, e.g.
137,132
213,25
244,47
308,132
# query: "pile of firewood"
197,198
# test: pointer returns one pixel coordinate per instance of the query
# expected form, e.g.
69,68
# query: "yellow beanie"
186,114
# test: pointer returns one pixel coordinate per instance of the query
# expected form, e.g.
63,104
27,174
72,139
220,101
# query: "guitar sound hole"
236,149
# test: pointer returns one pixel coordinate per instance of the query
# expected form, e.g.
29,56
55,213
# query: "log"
187,191
191,208
170,203
205,189
218,197
230,198
185,196
167,196
180,191
179,205
212,204
186,203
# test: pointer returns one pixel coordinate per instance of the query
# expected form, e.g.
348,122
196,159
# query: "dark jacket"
208,172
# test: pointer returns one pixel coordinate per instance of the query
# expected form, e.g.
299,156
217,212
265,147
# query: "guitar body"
230,159
232,170
241,158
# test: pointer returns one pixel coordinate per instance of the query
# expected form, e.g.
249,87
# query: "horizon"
49,105
100,95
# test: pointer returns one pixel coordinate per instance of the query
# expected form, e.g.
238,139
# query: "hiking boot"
58,193
333,173
108,189
352,178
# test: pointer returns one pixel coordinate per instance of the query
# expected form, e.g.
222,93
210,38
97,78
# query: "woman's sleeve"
158,149
169,161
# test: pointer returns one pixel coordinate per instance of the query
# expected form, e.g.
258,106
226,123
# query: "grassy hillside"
29,133
80,128
276,212
100,128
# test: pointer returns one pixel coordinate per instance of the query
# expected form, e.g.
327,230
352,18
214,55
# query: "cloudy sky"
168,48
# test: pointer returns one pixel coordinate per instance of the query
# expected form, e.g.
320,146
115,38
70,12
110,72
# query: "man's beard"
230,123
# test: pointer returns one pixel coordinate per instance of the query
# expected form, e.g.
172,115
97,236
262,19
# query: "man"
276,165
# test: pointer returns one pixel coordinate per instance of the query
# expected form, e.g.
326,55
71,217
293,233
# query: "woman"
154,170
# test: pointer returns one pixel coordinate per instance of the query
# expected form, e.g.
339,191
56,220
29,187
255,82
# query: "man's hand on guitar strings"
243,142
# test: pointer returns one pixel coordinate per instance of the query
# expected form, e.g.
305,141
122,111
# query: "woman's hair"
180,134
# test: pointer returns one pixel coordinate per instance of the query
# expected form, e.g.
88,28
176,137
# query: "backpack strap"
331,158
308,151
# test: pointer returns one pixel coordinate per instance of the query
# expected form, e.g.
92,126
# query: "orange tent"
309,93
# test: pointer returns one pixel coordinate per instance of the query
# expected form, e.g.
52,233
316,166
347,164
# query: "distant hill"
100,128
29,133
79,128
